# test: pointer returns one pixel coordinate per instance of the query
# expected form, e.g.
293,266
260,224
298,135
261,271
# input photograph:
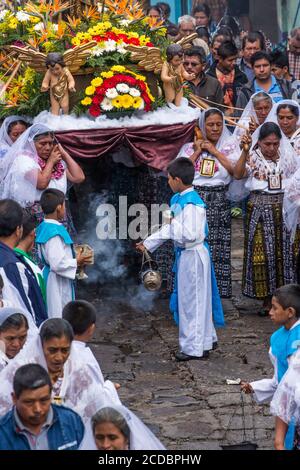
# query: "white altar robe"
63,268
196,329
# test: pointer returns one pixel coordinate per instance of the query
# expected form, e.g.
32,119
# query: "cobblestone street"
187,405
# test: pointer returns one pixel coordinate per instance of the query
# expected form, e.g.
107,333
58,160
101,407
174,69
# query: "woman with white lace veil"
115,427
74,382
270,253
255,114
12,128
286,403
37,162
214,155
286,114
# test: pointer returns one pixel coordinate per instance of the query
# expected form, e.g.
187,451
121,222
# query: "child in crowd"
25,247
82,317
195,301
57,253
285,313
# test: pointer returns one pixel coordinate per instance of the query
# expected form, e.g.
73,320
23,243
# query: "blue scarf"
44,232
283,344
178,202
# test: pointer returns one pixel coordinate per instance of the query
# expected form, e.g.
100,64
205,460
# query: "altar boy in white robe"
57,253
195,302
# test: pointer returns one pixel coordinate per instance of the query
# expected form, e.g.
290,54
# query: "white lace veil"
141,438
273,114
5,140
81,390
6,312
249,112
21,171
286,400
226,134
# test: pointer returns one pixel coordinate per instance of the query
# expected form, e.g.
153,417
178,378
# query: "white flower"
134,92
111,93
39,26
97,51
125,22
110,45
106,105
122,88
22,16
121,49
55,27
3,14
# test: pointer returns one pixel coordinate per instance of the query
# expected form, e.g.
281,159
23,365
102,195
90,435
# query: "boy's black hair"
80,314
183,169
11,215
259,56
280,59
227,49
50,199
29,223
30,377
289,296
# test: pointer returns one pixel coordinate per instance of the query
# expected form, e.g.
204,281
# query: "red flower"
94,111
130,80
149,44
97,99
133,41
100,90
110,35
97,38
141,85
123,37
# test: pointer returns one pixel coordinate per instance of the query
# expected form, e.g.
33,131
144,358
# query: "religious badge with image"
207,167
274,182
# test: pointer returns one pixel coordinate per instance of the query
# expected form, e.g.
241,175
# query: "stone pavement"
187,405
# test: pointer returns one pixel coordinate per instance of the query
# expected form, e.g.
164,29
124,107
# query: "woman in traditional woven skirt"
214,154
270,253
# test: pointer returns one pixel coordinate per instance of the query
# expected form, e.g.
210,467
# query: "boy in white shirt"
57,253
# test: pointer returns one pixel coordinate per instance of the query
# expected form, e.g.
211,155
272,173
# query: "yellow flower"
132,34
87,101
116,102
97,81
126,101
137,102
140,77
90,90
107,74
118,68
161,32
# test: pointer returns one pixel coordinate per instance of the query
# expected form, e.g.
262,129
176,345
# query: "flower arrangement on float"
117,90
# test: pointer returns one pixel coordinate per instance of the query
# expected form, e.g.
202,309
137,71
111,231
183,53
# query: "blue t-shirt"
274,90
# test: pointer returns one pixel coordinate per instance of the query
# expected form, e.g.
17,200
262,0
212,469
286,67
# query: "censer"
149,273
86,250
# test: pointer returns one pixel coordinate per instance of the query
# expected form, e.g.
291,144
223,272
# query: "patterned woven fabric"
270,256
218,213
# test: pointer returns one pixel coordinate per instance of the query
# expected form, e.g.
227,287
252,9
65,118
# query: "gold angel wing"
34,58
76,57
186,43
149,58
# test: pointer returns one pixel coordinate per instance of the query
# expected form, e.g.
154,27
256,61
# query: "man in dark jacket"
264,81
20,285
204,86
228,74
34,423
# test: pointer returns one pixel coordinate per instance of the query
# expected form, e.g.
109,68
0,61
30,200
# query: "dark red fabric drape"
155,146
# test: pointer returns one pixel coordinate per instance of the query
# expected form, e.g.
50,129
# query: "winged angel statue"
58,79
172,72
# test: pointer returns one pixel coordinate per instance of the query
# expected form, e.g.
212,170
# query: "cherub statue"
59,67
171,71
173,74
59,81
